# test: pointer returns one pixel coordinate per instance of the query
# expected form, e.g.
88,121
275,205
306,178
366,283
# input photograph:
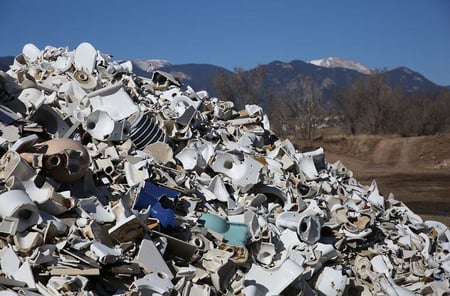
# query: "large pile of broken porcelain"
114,184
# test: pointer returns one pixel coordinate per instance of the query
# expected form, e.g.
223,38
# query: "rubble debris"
115,184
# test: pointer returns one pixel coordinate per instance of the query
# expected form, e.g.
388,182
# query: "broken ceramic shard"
107,99
161,201
105,254
233,233
15,166
162,80
31,52
128,229
103,128
331,282
64,160
145,129
221,268
309,228
161,151
18,204
9,225
156,283
151,259
48,199
244,174
51,120
85,57
261,281
266,253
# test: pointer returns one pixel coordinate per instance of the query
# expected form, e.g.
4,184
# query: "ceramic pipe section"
66,160
308,227
17,204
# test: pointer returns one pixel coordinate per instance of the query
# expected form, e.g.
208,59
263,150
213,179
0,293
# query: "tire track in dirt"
395,152
382,151
406,167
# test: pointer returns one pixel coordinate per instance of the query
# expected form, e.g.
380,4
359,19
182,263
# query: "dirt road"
413,168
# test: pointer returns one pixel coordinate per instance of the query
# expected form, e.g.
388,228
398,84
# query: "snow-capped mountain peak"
335,62
150,65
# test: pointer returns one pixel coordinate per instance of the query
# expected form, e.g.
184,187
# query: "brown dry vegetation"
415,169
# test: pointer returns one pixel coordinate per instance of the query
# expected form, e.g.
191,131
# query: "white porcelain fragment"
14,165
307,226
31,52
105,254
244,174
17,203
151,259
265,253
188,158
155,283
107,99
9,262
26,242
331,282
192,289
381,264
184,108
220,267
9,225
25,274
161,151
103,128
48,199
85,57
261,281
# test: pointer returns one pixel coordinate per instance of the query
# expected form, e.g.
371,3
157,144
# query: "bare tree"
427,113
366,105
370,105
224,86
242,87
302,107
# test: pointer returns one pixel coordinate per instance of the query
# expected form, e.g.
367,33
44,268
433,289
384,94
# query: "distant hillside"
282,76
5,62
199,76
410,80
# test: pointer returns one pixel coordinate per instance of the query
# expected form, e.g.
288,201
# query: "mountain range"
330,74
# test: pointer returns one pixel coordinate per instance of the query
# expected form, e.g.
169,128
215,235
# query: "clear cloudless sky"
380,33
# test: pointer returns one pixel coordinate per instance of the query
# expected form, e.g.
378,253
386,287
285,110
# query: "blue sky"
380,34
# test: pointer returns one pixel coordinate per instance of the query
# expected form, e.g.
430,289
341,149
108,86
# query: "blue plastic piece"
233,233
162,202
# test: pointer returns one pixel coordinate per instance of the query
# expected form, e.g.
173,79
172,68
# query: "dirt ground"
415,169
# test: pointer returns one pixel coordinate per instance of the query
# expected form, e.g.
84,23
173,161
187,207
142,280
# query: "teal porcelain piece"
233,233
